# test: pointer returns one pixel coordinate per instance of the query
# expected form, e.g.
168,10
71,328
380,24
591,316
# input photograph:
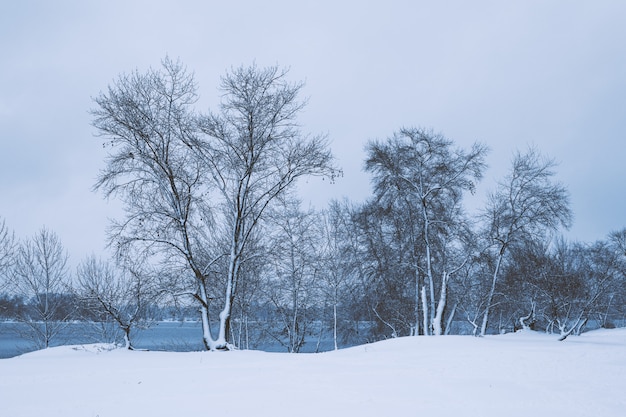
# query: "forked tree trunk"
531,315
207,337
221,342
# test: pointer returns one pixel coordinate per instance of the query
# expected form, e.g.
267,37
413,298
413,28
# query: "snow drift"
522,374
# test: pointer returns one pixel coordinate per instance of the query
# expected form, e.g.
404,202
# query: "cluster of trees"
212,221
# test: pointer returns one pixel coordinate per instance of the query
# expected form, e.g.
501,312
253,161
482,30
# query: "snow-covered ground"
524,374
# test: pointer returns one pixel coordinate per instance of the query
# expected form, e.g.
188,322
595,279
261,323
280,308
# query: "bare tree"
256,152
527,204
338,263
188,180
423,176
598,266
560,285
40,276
247,330
385,268
292,285
125,294
617,240
7,253
149,123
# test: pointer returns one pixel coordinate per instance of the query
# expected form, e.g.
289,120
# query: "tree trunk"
417,302
522,320
492,291
127,343
207,337
441,305
425,308
449,321
335,324
221,342
429,271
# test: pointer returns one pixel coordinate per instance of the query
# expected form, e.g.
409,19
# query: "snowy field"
524,374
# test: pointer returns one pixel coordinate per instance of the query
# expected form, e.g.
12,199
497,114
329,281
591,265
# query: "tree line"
212,222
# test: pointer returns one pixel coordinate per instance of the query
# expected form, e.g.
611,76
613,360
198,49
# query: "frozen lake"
161,336
167,335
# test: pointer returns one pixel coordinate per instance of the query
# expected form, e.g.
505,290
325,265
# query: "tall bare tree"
617,240
292,286
338,261
256,152
7,253
191,182
40,275
423,176
527,204
148,121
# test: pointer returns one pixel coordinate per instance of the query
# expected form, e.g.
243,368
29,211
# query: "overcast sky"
506,73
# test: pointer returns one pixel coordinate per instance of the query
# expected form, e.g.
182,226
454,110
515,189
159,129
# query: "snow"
521,374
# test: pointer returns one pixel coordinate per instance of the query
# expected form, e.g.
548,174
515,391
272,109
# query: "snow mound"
521,374
68,350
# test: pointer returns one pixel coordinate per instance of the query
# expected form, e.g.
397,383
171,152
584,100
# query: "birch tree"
425,177
527,204
606,281
562,285
599,268
385,267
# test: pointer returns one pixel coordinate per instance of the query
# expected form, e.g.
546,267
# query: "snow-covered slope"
523,374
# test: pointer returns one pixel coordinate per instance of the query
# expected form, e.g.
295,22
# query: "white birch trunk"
473,323
429,271
335,324
425,308
127,340
293,333
417,303
220,343
207,337
441,305
483,328
564,332
449,321
522,320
